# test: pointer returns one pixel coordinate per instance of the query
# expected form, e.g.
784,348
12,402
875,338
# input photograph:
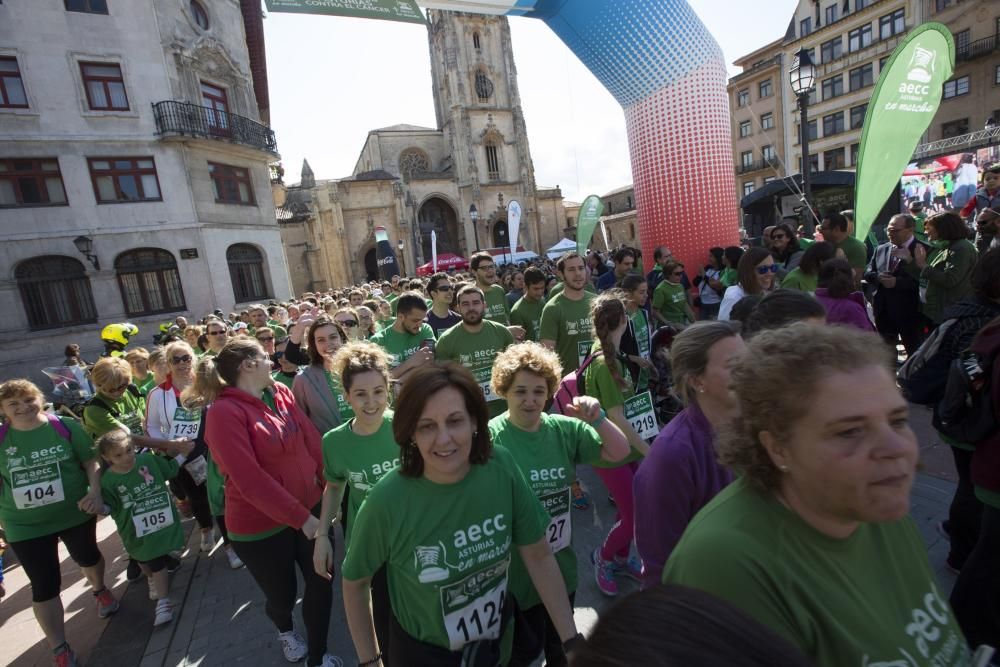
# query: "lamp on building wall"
802,76
85,245
474,216
400,246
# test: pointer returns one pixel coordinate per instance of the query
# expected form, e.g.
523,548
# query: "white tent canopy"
522,256
561,248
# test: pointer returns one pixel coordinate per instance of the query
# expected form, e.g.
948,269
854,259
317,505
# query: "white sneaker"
152,590
331,661
293,646
234,561
207,541
164,612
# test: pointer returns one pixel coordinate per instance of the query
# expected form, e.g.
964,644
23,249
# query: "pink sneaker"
106,603
631,568
604,574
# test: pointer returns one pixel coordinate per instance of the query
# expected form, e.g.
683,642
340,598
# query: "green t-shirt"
496,305
528,314
640,323
142,507
343,407
446,548
729,277
215,485
800,281
548,459
145,385
359,460
383,324
869,599
669,300
568,323
282,378
477,352
855,252
127,413
599,383
401,346
278,330
560,286
42,479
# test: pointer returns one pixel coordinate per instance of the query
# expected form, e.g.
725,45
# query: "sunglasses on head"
764,270
183,359
347,323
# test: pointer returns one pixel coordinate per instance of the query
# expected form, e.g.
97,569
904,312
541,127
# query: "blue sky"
333,79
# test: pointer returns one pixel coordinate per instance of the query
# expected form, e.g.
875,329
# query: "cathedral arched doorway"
437,215
501,238
371,265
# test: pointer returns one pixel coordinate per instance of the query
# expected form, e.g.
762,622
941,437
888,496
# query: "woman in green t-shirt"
443,525
814,538
357,454
49,487
547,449
636,291
804,276
606,381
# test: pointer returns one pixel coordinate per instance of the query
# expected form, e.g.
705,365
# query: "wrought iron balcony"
766,163
973,50
184,119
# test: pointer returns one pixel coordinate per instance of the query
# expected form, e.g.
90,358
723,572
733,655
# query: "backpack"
571,386
56,423
922,377
965,412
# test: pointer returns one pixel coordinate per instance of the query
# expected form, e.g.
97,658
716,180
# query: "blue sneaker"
581,500
631,568
604,573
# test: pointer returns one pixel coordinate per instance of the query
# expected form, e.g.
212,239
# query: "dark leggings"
534,632
156,564
197,495
976,596
966,512
382,613
39,557
271,562
220,521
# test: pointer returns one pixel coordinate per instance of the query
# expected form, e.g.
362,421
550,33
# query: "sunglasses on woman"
183,359
764,270
350,324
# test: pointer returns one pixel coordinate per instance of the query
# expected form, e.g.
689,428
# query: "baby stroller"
71,391
666,404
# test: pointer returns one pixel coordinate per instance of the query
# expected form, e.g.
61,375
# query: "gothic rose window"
413,162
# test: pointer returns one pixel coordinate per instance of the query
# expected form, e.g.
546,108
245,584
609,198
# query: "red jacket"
273,463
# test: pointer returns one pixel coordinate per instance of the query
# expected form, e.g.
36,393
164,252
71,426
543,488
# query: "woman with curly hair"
526,375
606,380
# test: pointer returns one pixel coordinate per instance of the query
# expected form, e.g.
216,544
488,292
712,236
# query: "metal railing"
746,168
980,47
192,120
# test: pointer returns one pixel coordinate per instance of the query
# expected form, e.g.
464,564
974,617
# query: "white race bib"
582,350
640,415
560,529
473,607
37,487
152,521
185,424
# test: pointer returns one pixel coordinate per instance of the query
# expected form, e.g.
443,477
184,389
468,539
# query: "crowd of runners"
440,423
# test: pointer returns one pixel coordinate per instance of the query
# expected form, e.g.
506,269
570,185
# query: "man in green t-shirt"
565,325
215,331
475,343
527,312
409,341
834,229
258,320
485,270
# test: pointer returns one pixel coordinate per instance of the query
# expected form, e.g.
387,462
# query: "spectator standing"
624,259
947,268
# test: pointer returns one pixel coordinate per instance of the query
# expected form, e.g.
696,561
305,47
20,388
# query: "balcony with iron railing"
190,120
766,163
976,49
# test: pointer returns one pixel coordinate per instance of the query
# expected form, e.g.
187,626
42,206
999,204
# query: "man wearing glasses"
441,317
217,334
485,270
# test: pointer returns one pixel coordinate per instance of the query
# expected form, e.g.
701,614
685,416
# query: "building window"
199,14
476,44
833,87
861,4
149,281
12,94
746,159
55,292
891,24
743,97
767,152
413,162
833,159
955,128
124,179
105,86
962,41
767,121
831,14
805,26
859,38
956,87
769,179
858,115
246,269
31,182
831,50
996,76
745,128
216,104
855,149
484,87
87,6
747,188
862,77
941,5
881,63
492,161
833,123
813,128
232,184
765,89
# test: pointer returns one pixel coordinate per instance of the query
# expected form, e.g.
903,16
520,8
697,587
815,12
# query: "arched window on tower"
492,159
484,87
475,41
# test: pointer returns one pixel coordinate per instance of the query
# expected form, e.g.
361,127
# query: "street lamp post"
474,216
802,76
400,246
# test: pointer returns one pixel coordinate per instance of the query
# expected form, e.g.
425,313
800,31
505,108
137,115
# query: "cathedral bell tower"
479,111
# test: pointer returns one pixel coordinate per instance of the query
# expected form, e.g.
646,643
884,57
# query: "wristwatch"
573,643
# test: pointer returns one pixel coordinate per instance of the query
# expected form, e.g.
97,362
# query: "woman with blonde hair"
138,361
117,402
606,380
526,375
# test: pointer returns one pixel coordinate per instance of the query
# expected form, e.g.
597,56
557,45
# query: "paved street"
219,617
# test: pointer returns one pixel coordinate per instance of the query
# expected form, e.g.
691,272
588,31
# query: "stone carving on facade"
413,162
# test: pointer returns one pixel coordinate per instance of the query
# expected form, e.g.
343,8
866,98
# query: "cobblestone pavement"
219,613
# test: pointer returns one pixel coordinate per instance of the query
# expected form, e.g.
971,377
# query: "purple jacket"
849,310
678,477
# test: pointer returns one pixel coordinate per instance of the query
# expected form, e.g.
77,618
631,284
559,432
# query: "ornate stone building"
413,180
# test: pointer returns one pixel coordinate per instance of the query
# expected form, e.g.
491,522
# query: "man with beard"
475,343
527,312
485,269
408,340
565,326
